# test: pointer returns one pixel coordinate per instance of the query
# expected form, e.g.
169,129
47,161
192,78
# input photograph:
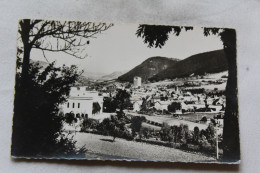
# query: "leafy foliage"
109,105
89,123
37,127
158,35
70,118
122,99
113,126
96,108
136,124
174,106
196,135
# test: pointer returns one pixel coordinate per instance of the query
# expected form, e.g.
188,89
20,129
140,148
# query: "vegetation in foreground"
37,126
132,128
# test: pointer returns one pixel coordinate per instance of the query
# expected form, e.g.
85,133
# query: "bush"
206,146
70,118
204,119
145,132
193,147
127,135
89,123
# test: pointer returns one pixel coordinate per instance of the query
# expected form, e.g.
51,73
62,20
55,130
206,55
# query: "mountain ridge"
198,64
148,68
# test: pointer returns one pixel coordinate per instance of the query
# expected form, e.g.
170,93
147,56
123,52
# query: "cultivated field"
171,120
102,147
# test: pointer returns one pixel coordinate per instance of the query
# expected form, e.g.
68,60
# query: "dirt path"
101,147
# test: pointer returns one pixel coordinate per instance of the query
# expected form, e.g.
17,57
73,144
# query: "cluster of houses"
83,99
159,98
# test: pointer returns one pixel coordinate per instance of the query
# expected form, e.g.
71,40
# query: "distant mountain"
208,62
113,75
92,75
148,68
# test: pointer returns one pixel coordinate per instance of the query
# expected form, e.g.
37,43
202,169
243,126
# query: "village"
175,102
126,99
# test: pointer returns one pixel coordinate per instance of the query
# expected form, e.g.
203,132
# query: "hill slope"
148,68
208,62
113,75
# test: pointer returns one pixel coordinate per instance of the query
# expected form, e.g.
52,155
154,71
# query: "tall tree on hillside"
37,127
69,37
156,36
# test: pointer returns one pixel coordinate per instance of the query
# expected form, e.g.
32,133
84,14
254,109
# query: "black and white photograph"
123,91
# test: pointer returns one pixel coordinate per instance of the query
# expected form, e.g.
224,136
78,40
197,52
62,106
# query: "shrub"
204,119
70,118
89,123
193,147
145,132
127,135
210,132
164,132
196,135
206,146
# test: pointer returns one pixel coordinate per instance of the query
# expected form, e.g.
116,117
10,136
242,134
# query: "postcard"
136,92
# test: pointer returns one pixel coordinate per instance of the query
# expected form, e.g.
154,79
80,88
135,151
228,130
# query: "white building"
162,105
81,102
137,81
137,105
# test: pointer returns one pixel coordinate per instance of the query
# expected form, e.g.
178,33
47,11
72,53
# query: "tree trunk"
25,31
231,144
20,118
26,62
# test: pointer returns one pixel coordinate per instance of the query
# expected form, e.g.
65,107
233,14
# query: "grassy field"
102,147
174,121
193,117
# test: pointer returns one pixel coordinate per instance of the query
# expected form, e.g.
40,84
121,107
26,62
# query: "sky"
119,49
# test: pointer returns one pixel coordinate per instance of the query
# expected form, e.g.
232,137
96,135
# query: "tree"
165,131
68,37
96,108
144,105
136,124
174,106
156,36
123,99
109,104
113,126
70,118
37,127
196,135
